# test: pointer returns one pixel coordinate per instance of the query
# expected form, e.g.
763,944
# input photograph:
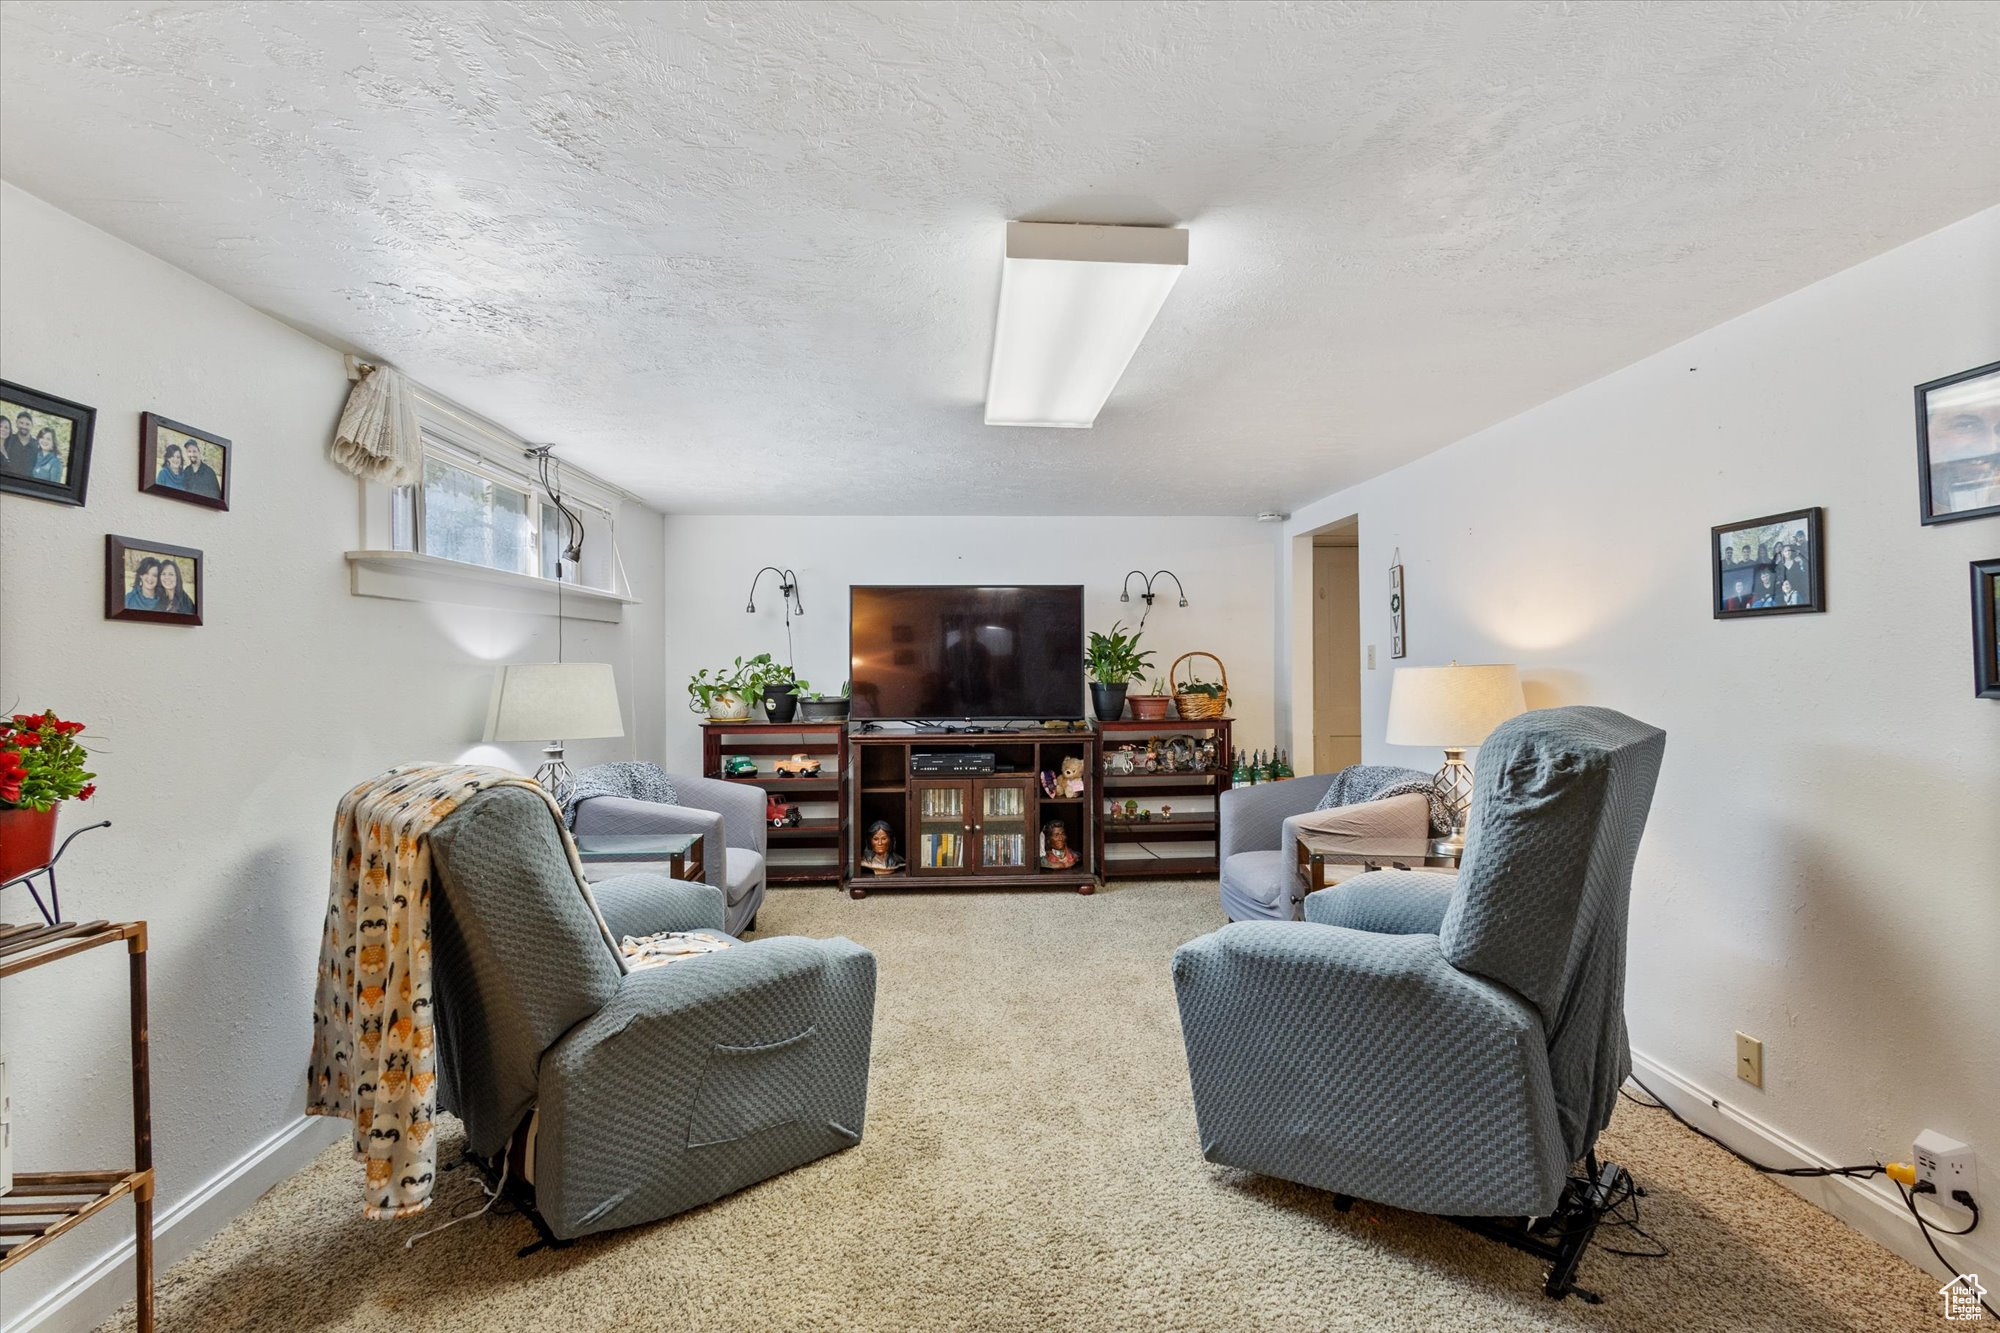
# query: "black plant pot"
1108,701
780,702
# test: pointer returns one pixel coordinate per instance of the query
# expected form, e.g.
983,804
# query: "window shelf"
411,576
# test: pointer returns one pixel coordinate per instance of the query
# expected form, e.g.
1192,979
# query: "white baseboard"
1871,1207
95,1293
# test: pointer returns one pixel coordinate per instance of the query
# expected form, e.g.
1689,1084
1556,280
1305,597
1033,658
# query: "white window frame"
472,443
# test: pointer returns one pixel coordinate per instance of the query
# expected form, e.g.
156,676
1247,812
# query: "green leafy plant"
1209,688
730,682
763,672
1159,686
1114,658
42,763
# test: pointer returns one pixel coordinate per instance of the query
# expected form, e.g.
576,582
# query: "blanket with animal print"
374,1051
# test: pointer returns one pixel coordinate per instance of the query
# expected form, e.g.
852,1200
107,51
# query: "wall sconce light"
788,597
1148,595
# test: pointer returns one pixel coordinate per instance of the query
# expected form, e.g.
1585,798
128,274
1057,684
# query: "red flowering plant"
42,762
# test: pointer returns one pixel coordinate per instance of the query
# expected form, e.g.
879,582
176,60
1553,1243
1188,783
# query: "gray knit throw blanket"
640,782
1378,782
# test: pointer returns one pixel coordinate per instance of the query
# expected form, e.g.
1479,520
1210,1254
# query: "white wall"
1822,866
221,750
1226,565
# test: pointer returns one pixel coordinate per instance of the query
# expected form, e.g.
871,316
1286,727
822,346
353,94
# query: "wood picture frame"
163,445
25,468
130,595
1755,565
1986,629
1958,445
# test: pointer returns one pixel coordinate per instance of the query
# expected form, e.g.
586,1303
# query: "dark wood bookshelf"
1154,789
766,742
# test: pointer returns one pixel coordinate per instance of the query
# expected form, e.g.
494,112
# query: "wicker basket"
1197,707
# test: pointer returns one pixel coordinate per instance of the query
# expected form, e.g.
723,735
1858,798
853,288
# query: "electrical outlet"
1947,1165
1750,1060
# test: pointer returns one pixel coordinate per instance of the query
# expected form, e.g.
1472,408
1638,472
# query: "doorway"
1336,651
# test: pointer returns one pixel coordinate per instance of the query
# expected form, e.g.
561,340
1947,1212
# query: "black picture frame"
1729,579
1979,466
1986,629
82,419
151,424
116,603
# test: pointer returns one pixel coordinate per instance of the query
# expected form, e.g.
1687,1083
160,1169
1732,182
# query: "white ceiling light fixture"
1075,302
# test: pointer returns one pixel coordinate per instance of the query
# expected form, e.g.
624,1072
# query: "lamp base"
1454,784
554,775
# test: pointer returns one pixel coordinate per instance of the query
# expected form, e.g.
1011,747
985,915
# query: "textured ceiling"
745,257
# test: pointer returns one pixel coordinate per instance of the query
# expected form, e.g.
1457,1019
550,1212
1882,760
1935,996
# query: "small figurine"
1152,761
798,766
1119,761
1071,781
739,766
1166,812
1056,851
1048,783
1131,808
881,855
779,812
1145,816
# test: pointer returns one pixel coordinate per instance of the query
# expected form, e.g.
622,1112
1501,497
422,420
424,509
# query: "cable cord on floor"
1924,1225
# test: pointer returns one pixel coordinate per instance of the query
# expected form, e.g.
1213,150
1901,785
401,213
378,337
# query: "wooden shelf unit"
44,1204
1155,789
987,826
766,742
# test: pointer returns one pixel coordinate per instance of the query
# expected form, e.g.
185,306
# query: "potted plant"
1113,660
826,707
41,766
1151,707
776,686
724,694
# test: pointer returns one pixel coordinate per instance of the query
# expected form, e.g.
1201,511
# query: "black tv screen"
966,653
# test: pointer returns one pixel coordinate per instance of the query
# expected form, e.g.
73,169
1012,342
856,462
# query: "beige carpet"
1030,1163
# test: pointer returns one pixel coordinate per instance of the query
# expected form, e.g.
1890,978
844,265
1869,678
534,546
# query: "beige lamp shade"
550,701
1452,707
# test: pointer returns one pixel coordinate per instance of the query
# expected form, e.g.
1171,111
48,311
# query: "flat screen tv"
942,653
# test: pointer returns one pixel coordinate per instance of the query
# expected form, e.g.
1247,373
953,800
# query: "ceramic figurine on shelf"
739,766
1166,812
798,766
881,855
1057,854
1205,756
1131,808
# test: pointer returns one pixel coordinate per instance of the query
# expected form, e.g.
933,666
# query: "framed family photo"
152,581
44,445
1986,628
1770,566
183,463
1958,445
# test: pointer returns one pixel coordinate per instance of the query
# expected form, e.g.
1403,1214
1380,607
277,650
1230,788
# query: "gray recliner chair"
1257,839
650,1092
729,816
1443,1043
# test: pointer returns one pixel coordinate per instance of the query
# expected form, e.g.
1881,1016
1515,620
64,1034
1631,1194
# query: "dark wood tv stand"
964,830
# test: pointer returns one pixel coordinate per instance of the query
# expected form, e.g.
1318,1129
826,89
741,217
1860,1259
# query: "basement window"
482,504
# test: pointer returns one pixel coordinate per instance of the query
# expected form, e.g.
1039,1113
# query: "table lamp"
538,701
1454,708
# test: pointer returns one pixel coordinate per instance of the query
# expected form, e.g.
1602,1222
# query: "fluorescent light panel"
1075,302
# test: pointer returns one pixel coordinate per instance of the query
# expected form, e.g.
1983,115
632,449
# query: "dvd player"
952,761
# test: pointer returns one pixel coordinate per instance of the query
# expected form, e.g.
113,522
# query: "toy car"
780,813
739,766
798,766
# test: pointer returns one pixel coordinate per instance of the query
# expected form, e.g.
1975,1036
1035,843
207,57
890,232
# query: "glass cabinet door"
943,820
1003,826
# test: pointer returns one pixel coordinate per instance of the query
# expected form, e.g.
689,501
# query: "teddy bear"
1070,781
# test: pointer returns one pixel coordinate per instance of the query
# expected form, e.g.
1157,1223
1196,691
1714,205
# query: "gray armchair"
1257,839
1445,1044
729,816
654,1091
